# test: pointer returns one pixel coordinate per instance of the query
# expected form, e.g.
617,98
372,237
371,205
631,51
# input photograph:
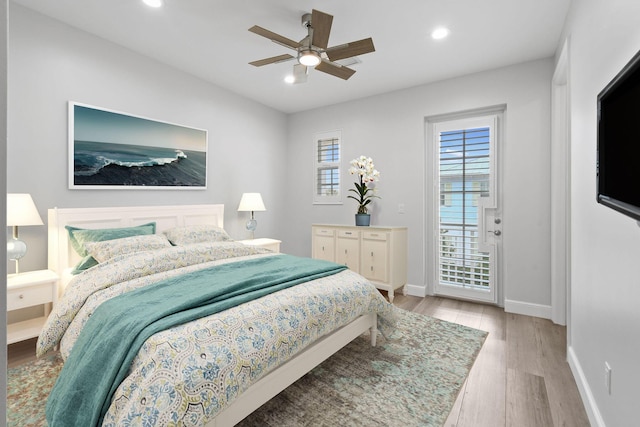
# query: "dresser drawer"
29,296
328,232
348,234
375,235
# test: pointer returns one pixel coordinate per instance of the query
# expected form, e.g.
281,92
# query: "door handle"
495,232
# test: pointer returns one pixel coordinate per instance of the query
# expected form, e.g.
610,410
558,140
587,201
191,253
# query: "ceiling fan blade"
277,38
272,60
300,73
321,24
335,70
348,50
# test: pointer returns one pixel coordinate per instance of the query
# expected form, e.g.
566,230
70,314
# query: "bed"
312,320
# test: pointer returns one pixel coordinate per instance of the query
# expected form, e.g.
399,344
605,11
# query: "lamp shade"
21,210
251,202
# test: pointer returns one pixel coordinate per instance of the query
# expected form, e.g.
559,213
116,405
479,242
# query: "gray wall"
605,245
390,128
249,144
51,63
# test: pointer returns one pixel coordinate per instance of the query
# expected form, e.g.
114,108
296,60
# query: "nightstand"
27,290
271,244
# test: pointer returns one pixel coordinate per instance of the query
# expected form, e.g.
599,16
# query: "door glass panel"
464,174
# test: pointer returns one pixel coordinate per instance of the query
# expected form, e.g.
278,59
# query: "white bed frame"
62,258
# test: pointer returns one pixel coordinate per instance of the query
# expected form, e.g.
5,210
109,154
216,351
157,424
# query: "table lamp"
251,202
20,211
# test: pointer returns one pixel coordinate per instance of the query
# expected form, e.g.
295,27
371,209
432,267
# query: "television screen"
618,156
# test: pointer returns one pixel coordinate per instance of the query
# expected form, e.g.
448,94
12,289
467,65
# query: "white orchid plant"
364,168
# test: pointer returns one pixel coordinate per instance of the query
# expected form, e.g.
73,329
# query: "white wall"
390,128
605,285
51,63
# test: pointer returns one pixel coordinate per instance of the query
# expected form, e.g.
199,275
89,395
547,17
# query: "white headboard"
61,254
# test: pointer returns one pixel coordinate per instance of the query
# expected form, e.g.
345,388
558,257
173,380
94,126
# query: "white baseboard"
595,418
527,309
416,291
510,306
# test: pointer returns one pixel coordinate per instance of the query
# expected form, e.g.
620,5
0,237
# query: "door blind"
464,177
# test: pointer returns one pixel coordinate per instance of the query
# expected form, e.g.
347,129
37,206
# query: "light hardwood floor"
21,352
520,378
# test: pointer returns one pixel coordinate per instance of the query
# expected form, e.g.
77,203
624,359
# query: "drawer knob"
21,296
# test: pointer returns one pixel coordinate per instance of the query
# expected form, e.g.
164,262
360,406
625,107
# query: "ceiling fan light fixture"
309,58
314,51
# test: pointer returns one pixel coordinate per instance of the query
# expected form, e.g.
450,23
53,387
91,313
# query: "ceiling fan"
313,51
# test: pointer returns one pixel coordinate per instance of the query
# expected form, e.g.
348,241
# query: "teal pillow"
79,236
84,264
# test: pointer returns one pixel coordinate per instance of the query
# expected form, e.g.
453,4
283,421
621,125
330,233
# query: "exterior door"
466,225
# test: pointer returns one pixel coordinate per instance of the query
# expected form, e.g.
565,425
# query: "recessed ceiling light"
439,33
153,3
290,79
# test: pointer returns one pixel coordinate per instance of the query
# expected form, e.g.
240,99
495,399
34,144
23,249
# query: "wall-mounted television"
618,156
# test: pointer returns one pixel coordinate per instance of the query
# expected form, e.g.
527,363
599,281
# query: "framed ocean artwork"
113,150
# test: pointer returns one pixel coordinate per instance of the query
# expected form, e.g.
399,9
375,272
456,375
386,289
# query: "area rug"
28,387
410,379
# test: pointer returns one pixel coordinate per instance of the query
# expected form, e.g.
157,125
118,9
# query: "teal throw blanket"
114,333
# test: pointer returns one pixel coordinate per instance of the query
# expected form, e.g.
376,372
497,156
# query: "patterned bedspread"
187,374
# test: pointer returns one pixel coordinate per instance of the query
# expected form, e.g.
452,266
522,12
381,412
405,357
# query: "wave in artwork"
99,163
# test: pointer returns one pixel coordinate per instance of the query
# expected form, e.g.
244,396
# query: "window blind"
327,161
464,177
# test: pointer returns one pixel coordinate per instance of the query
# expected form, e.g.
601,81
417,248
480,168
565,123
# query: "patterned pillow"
181,236
107,249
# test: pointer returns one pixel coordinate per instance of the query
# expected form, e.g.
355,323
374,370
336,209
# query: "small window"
327,168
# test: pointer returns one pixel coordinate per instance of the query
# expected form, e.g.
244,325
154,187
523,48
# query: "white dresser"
378,253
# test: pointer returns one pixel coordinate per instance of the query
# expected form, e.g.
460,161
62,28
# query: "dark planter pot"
363,220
